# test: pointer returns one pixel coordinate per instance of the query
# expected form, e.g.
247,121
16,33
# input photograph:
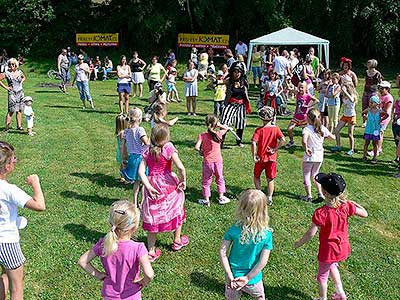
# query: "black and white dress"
234,112
16,95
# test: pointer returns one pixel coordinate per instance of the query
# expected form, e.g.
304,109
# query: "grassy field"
74,155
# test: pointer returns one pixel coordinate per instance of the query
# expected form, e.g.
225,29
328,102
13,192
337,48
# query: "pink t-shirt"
211,149
396,110
384,101
334,245
164,163
122,268
302,102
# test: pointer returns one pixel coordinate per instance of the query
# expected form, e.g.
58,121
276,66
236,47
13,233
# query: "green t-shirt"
256,59
243,257
314,65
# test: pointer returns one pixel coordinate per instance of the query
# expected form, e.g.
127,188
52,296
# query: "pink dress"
167,212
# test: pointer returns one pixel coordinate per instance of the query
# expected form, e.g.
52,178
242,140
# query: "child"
120,256
209,146
332,220
121,124
333,101
313,138
373,117
250,243
264,146
190,79
29,115
159,114
349,116
163,200
273,89
396,125
11,197
171,86
304,101
134,143
322,104
220,93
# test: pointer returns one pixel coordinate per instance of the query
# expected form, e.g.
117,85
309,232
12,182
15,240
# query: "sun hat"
266,113
385,84
375,99
333,183
27,98
220,73
80,56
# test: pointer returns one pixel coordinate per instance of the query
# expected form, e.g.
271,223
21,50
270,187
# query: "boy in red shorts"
264,147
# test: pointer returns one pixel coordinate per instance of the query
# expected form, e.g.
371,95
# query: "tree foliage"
354,27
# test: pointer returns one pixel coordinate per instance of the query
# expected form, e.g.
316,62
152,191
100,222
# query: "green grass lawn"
74,155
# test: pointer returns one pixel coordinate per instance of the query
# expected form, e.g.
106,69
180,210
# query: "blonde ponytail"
315,117
211,123
124,216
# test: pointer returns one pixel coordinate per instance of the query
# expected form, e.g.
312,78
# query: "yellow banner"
203,40
97,39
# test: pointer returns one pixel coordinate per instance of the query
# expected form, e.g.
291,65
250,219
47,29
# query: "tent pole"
251,45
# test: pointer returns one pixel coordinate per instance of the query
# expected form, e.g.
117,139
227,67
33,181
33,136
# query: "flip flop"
184,242
155,256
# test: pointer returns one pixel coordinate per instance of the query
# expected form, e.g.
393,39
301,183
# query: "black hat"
237,65
333,183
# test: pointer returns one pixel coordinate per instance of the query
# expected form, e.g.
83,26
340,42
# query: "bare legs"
152,237
9,119
13,280
123,97
191,105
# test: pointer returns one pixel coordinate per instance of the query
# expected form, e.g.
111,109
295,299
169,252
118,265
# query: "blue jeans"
83,88
105,71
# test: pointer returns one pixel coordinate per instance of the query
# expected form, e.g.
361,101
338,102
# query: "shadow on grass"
47,92
102,179
89,198
91,111
62,106
81,232
208,283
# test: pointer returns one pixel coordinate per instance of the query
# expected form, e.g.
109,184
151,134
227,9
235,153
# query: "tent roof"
288,36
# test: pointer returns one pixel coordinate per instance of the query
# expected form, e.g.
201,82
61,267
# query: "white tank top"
124,72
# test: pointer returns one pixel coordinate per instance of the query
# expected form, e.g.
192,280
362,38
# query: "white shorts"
29,122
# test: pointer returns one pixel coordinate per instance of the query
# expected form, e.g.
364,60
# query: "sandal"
155,256
20,128
184,242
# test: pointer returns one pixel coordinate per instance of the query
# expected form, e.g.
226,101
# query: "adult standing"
154,70
124,84
108,67
203,64
191,93
15,78
137,66
372,78
314,62
347,75
256,65
237,103
63,69
308,74
282,65
293,59
97,67
386,105
241,49
82,71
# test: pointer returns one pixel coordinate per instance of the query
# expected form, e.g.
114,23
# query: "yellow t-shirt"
256,59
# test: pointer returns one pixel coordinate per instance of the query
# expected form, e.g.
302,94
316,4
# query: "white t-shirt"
281,64
81,74
315,142
349,108
241,49
11,197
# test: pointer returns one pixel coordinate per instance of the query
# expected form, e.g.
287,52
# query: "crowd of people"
147,161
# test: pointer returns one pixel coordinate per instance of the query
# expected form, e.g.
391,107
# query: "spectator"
108,67
241,49
154,70
282,65
137,66
170,57
314,62
229,57
63,69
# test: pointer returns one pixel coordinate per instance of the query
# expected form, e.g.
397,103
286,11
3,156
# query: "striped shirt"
133,140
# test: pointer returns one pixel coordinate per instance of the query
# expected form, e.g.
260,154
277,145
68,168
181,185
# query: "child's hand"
101,276
240,282
256,158
142,282
153,192
32,180
181,186
173,121
309,151
271,150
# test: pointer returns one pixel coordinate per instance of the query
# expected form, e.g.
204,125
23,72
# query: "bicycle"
52,74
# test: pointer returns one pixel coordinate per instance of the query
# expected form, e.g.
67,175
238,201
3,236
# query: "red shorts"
268,166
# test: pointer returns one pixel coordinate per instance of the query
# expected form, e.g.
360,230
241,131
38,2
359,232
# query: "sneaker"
371,153
194,114
306,198
224,200
350,152
339,296
374,161
91,104
184,242
83,107
31,133
397,175
204,202
289,145
336,149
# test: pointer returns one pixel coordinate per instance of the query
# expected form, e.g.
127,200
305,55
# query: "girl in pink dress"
163,200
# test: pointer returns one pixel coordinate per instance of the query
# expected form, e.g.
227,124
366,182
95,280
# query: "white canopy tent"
290,37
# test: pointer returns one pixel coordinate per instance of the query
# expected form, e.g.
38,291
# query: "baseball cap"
266,113
333,183
27,98
385,84
375,99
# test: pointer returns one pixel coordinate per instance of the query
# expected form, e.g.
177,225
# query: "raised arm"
360,211
37,202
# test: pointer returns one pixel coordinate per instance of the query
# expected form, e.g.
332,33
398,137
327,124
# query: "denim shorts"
123,88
